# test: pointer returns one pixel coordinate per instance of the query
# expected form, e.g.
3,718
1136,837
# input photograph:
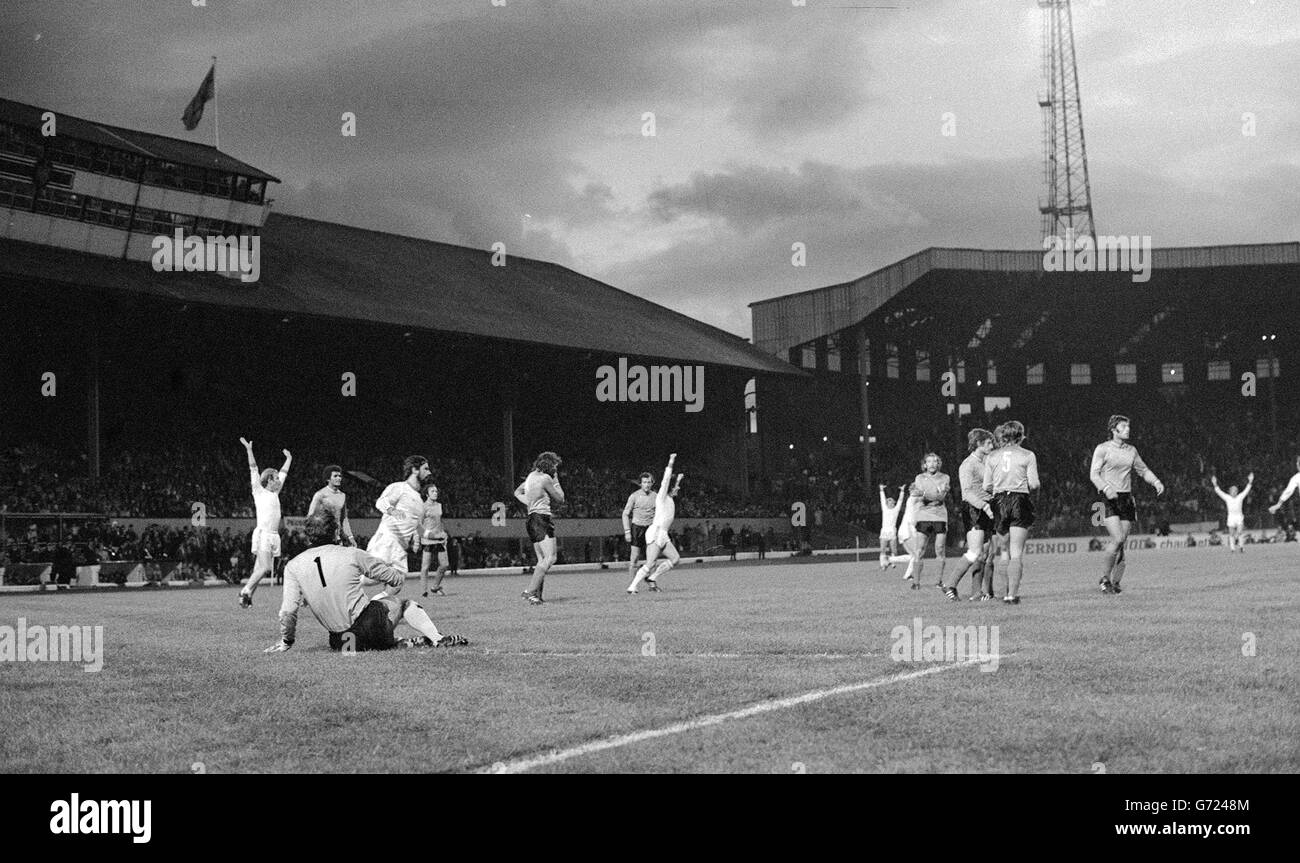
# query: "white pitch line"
520,765
677,655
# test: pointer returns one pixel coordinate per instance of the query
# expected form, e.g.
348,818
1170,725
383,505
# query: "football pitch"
772,667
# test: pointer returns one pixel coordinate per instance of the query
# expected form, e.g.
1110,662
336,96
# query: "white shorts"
266,541
655,535
1239,523
388,548
886,537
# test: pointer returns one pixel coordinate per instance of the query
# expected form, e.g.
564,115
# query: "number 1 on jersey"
321,573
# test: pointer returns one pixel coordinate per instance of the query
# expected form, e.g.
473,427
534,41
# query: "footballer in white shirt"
266,536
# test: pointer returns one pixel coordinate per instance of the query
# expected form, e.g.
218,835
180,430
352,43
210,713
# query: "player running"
536,492
332,498
327,578
931,488
266,536
638,515
976,514
402,508
657,541
1010,474
1236,519
889,508
1291,488
433,540
1113,465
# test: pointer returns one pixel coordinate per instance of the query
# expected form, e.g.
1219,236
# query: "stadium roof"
956,297
315,268
132,141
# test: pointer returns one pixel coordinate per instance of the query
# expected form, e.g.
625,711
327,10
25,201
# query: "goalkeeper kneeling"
328,578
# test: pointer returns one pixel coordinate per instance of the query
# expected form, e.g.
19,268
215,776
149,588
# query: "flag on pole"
194,111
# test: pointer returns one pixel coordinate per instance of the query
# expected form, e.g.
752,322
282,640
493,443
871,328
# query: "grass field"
1154,680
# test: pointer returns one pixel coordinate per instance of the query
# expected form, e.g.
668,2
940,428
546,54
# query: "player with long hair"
976,513
402,508
657,540
1010,474
266,536
1113,465
539,488
332,498
930,488
1236,518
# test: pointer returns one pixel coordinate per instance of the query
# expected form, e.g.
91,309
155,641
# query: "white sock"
664,566
911,564
900,558
416,616
640,574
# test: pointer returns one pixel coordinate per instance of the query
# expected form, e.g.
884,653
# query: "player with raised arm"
931,489
889,509
433,541
266,536
1236,518
976,514
1113,465
1291,488
1010,474
536,492
332,498
402,508
657,540
910,539
638,515
327,578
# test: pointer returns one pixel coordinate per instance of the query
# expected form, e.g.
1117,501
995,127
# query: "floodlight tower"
1065,158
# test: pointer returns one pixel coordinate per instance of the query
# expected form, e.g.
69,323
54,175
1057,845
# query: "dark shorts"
638,535
932,528
371,631
1121,506
438,546
1012,509
976,519
539,527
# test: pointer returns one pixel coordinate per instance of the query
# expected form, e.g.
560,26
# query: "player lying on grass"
266,536
327,578
1236,519
657,541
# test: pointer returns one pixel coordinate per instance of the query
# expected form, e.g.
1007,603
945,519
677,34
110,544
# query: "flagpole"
216,111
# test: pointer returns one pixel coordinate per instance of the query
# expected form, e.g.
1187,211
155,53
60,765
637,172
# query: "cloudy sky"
774,124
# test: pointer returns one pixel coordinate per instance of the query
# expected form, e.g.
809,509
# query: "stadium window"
961,371
1171,373
1034,374
991,373
1262,369
891,360
922,365
833,352
1080,374
864,359
1126,373
751,404
963,407
1219,370
808,357
996,403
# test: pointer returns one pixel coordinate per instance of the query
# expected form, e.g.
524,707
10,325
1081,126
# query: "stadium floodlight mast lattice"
1067,212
